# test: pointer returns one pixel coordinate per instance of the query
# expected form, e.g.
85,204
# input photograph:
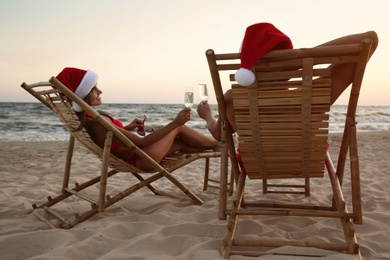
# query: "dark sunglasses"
141,129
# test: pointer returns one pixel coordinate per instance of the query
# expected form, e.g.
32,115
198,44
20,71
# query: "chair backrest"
282,119
59,99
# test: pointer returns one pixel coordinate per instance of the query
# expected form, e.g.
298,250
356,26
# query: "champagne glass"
204,95
189,97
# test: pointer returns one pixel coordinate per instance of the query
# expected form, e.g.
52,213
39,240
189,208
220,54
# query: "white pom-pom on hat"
259,39
244,77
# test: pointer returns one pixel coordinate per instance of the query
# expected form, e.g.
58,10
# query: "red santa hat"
259,39
79,81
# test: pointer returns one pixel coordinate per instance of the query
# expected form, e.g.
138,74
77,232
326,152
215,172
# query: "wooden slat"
281,117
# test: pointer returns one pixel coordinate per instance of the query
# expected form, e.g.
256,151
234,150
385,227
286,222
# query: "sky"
149,51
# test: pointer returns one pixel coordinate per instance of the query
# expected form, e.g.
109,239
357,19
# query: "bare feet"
205,112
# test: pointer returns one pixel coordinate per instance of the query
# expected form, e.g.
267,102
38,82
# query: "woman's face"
93,98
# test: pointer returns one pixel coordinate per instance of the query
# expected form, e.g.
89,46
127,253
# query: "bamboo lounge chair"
59,99
282,125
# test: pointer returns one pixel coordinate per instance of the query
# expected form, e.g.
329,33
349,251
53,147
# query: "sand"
145,226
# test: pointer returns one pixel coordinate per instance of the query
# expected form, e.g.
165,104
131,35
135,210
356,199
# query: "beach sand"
145,226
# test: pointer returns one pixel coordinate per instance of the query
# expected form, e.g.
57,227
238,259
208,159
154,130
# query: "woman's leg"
342,74
158,150
214,125
193,138
182,138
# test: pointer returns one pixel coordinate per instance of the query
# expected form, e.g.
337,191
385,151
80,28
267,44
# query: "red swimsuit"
134,159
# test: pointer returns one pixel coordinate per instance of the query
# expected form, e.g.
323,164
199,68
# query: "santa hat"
259,39
79,81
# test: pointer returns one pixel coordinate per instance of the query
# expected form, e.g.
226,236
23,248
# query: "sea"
35,122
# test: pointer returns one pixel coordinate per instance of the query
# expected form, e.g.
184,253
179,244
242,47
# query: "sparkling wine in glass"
204,95
189,97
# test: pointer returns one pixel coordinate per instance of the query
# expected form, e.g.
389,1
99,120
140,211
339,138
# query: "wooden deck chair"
59,99
282,123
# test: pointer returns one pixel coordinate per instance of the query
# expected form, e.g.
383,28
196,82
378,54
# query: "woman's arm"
133,125
182,117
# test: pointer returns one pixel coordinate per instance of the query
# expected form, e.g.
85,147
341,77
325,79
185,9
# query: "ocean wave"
35,122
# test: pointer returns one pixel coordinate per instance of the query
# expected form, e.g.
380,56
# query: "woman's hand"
134,124
183,117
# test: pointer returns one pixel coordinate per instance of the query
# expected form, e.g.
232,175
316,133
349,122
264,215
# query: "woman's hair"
82,117
83,121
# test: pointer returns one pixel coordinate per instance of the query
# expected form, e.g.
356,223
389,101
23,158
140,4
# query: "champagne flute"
189,97
204,95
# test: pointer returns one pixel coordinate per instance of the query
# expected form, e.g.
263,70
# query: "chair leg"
223,179
231,182
233,160
233,217
206,174
355,174
68,162
104,170
307,187
265,186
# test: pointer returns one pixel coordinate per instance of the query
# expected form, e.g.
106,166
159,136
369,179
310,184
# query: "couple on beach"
176,136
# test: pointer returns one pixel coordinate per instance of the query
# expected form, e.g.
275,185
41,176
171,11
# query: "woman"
342,77
175,136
